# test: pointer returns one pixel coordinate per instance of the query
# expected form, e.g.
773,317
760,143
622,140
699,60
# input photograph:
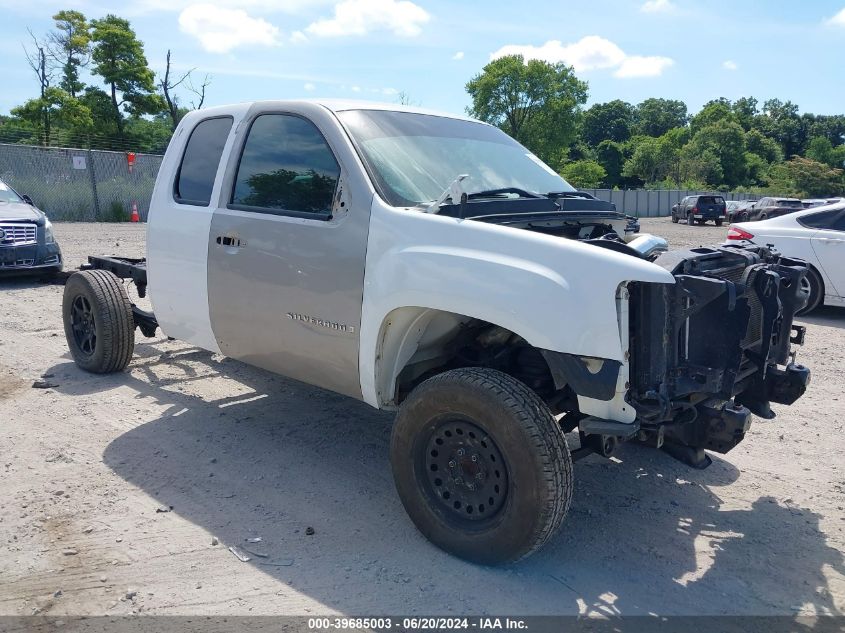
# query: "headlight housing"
48,232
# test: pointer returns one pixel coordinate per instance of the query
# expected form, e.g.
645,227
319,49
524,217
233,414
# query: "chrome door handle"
228,240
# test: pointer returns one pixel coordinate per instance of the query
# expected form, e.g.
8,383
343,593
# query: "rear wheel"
813,287
718,222
98,321
481,465
690,220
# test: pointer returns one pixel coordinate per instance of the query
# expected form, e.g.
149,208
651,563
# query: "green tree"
821,150
700,166
806,178
726,140
611,121
70,46
535,102
745,111
712,112
780,121
756,169
655,117
584,174
119,59
611,157
763,146
652,159
70,119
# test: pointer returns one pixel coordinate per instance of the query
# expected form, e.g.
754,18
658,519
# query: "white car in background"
816,235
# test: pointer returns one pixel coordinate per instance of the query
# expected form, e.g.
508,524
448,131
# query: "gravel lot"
237,453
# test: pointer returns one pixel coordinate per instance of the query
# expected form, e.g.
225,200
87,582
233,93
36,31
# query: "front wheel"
481,465
674,219
99,326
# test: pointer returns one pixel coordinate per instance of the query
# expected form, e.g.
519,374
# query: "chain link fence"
81,184
89,185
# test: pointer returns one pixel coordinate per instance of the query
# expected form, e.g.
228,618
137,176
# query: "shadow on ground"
645,535
830,316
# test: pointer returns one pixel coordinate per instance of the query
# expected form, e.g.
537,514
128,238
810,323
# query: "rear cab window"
198,169
286,168
711,200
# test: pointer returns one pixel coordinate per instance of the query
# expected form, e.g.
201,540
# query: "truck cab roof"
334,105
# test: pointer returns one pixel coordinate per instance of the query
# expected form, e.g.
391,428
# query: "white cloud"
389,91
310,87
222,30
837,20
356,88
657,6
590,53
297,37
458,55
261,6
637,66
729,64
359,17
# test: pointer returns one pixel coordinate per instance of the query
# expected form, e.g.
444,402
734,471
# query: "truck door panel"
179,225
286,256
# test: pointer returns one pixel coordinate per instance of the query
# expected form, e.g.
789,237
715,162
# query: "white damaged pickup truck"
429,264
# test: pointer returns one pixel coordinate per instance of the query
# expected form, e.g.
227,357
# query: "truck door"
179,222
287,247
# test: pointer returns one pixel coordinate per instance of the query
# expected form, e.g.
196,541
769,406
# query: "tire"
523,466
690,220
99,327
763,217
674,219
718,222
815,286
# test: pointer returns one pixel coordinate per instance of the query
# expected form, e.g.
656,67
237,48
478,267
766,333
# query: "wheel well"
417,343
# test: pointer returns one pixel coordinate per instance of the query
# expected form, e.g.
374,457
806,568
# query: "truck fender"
559,295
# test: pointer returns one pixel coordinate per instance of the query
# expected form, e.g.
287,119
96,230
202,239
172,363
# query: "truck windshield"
415,157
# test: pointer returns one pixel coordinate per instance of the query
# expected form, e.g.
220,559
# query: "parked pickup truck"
429,264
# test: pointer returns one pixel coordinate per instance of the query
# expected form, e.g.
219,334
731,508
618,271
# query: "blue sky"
693,50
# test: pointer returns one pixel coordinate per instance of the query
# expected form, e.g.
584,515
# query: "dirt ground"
121,493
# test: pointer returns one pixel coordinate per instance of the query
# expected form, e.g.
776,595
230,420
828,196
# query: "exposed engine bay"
715,347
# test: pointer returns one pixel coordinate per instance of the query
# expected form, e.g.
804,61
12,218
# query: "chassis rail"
136,270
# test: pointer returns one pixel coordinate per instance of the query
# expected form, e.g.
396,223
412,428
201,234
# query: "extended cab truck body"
430,264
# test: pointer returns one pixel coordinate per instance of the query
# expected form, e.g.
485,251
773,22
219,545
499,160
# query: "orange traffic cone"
135,217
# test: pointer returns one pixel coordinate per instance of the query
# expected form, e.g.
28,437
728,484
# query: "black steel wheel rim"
83,325
465,473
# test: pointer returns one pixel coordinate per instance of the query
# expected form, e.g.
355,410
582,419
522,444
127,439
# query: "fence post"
93,185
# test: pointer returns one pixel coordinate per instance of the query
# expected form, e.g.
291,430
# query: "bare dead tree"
199,91
37,60
168,87
404,98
